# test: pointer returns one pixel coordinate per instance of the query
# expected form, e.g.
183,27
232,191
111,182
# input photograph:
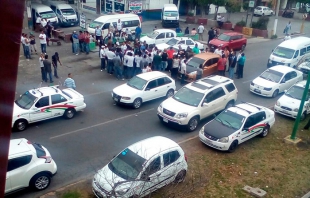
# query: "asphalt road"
87,142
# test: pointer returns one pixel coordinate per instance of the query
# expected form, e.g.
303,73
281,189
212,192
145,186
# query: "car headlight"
160,107
121,192
224,139
278,103
125,98
202,130
296,110
252,83
182,115
267,89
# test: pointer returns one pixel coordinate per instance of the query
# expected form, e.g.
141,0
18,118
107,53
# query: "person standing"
87,41
241,62
238,57
222,21
232,64
48,68
98,34
22,41
43,74
38,21
144,62
75,39
186,31
138,59
55,60
196,50
110,55
201,29
218,51
193,32
69,82
117,67
164,60
175,67
157,61
82,41
170,54
102,58
49,29
42,38
138,32
287,28
119,26
33,46
43,23
227,53
129,63
178,30
27,47
183,71
221,65
211,34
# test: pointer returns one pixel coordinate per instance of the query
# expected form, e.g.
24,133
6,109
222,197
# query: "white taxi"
45,103
183,41
236,125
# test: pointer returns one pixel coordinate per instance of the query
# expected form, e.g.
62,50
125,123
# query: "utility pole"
274,31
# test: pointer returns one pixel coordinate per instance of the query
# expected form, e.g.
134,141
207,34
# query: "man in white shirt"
41,59
42,38
22,40
98,33
43,23
200,31
110,55
38,21
27,47
218,51
119,26
102,57
183,72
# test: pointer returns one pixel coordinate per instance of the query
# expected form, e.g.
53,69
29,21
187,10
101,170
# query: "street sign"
251,4
82,21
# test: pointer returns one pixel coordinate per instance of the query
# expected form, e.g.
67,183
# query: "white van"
289,52
130,21
170,15
45,12
64,12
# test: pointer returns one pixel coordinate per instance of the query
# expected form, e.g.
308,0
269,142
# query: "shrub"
261,23
241,23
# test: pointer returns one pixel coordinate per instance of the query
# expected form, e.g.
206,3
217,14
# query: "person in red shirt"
87,41
170,53
221,65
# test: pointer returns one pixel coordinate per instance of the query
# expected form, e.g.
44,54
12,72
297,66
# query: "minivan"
45,12
289,52
130,21
64,12
170,15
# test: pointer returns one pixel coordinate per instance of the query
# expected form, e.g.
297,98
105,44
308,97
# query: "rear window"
39,150
230,87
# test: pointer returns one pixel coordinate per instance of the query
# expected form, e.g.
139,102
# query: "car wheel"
229,104
192,124
20,125
303,116
170,93
137,103
275,93
40,181
69,113
265,131
243,47
233,146
180,177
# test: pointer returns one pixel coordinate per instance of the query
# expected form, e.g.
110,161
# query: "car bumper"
99,193
80,108
171,120
69,23
261,92
118,99
213,144
292,114
170,22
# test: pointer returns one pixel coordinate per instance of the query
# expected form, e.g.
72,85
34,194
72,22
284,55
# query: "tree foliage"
232,6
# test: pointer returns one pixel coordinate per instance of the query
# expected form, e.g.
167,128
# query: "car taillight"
29,142
48,159
185,157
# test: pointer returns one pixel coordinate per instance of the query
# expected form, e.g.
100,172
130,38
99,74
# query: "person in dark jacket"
55,60
48,68
164,60
157,62
211,34
186,31
232,64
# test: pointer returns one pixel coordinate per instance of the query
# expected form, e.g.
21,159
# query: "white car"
289,103
144,87
263,11
275,80
29,165
141,169
236,125
304,64
183,41
45,103
198,100
158,36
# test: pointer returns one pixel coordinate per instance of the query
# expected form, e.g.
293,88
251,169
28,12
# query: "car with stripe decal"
236,125
45,103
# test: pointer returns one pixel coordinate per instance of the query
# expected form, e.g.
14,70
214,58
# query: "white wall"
221,9
157,4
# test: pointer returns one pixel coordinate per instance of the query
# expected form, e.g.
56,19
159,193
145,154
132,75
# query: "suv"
29,164
198,100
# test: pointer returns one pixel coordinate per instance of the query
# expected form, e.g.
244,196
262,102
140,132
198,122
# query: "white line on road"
103,123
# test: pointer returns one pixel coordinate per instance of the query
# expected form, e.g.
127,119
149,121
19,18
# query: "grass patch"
71,194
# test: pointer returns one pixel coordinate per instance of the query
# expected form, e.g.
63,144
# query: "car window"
189,42
167,80
43,102
296,54
152,84
106,26
152,168
58,12
170,157
230,87
58,98
214,60
169,35
215,94
303,51
289,76
208,63
259,117
250,121
233,38
160,81
181,42
308,49
18,162
160,36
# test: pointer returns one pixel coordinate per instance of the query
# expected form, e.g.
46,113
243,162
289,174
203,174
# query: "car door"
214,102
151,91
190,43
164,84
169,35
58,105
287,81
253,126
161,38
40,110
210,67
171,167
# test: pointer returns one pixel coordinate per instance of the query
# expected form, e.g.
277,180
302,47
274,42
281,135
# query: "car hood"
217,42
218,130
147,39
289,102
264,83
17,111
162,46
125,90
177,107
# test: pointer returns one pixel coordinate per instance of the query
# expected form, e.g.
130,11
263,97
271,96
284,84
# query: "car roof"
163,30
232,33
245,109
205,84
41,8
116,16
18,146
207,55
152,146
296,43
282,68
44,91
151,75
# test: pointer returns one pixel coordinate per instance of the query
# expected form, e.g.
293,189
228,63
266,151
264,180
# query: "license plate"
116,99
207,141
284,111
165,120
257,90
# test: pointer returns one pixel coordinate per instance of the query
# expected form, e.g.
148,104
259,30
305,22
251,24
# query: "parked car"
141,169
232,40
158,36
289,103
182,41
29,165
236,125
45,103
144,87
304,64
263,11
198,100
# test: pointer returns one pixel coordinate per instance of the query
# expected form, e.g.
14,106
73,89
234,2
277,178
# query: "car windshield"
67,11
195,62
296,92
137,83
224,37
172,41
283,52
258,8
127,164
26,100
230,119
94,24
153,34
188,96
171,13
47,15
272,75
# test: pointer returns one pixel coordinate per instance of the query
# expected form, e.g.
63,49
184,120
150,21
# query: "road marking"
188,139
103,123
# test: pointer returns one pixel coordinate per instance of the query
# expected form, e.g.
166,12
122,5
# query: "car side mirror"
147,89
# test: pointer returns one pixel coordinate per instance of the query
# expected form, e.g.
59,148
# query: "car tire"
20,125
193,123
69,113
243,47
265,132
233,146
40,181
303,116
170,93
180,177
229,104
137,103
275,93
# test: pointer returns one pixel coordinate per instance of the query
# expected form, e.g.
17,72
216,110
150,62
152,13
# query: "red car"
232,40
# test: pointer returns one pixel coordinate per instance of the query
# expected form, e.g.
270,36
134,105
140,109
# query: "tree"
232,6
217,4
192,3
